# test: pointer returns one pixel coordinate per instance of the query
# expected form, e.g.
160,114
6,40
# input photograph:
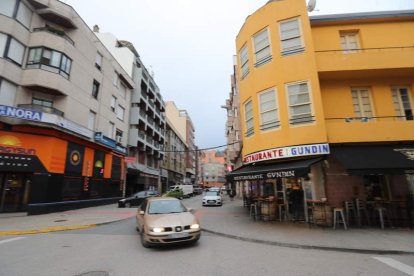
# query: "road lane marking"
397,265
47,230
10,240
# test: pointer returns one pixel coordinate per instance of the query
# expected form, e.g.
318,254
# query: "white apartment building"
64,105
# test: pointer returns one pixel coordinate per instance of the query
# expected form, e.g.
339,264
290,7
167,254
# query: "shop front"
41,168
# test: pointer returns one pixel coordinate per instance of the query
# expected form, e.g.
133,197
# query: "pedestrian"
296,198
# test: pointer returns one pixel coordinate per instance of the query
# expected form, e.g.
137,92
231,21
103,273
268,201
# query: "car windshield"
211,193
166,207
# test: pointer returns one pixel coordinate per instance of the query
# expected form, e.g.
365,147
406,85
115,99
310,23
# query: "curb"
313,247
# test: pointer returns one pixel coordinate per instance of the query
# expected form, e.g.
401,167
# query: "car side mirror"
141,212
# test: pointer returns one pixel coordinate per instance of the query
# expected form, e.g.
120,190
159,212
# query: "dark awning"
299,168
385,159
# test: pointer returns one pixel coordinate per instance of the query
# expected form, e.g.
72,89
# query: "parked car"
198,191
187,189
165,220
136,199
212,198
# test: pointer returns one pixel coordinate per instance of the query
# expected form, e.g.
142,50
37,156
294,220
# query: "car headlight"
122,200
195,226
156,229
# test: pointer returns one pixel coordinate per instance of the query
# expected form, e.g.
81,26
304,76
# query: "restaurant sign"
287,152
268,175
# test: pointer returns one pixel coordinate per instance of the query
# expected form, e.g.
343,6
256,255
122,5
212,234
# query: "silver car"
212,198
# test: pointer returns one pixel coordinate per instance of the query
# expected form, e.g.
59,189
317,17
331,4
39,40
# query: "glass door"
12,192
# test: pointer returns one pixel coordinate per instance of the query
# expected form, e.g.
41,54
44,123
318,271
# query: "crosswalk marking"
10,240
397,265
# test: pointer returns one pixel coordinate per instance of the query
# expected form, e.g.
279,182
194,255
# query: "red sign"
130,159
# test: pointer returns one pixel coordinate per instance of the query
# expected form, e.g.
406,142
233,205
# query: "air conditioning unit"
118,139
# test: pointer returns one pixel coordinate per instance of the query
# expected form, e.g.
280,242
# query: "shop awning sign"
20,113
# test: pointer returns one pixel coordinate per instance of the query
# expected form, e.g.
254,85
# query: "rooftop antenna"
311,5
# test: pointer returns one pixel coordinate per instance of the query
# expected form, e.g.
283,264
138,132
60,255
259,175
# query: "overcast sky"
189,46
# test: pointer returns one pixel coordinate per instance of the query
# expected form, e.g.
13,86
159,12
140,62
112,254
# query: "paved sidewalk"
231,220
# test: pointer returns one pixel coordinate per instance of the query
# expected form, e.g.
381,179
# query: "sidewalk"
231,220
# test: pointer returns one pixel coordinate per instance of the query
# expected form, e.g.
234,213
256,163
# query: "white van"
188,190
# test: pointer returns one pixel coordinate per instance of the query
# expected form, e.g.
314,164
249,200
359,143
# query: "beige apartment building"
64,105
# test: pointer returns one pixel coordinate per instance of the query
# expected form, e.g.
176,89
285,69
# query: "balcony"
369,129
45,81
396,61
42,108
54,32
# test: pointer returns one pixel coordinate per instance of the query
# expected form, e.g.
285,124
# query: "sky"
189,46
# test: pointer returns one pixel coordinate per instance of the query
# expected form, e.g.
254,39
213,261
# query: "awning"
132,169
299,168
383,160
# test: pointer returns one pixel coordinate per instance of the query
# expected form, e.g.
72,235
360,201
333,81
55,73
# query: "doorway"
14,192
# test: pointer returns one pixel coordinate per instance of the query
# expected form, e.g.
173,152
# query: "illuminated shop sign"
287,152
12,144
269,175
20,113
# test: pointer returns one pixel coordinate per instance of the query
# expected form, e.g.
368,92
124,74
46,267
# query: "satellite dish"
311,5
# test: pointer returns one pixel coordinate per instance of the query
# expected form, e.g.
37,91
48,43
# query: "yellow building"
326,102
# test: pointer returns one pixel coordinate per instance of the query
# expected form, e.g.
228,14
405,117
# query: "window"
3,42
7,7
113,103
118,136
24,15
300,109
402,103
244,62
7,92
91,120
123,90
361,102
269,118
49,60
349,42
98,61
248,118
290,37
262,48
111,130
95,89
120,112
46,103
115,80
14,50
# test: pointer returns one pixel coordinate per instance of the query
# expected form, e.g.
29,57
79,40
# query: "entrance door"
14,191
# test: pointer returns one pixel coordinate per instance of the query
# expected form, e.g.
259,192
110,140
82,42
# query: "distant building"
62,136
213,168
146,120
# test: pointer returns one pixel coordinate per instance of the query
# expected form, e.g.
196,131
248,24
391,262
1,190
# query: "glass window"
349,42
111,130
95,89
3,42
290,37
120,112
123,90
91,120
113,103
262,48
16,51
361,102
24,15
402,103
115,80
269,118
50,60
7,93
42,102
98,61
244,61
300,109
248,109
7,7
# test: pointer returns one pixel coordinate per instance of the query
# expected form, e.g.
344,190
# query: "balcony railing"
55,32
42,108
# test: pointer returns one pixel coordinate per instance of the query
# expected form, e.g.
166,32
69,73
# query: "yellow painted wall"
275,74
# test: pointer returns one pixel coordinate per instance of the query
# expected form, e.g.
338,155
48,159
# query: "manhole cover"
94,273
60,220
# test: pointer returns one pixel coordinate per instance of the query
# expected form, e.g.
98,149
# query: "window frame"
271,125
361,105
38,61
344,46
118,109
297,48
248,120
244,63
95,89
300,121
98,61
6,52
401,111
267,58
114,102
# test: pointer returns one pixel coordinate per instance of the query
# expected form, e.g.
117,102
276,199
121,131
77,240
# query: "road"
114,249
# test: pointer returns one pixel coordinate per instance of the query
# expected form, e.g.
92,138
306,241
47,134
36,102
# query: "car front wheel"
143,241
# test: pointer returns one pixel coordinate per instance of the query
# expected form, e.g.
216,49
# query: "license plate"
211,201
178,235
